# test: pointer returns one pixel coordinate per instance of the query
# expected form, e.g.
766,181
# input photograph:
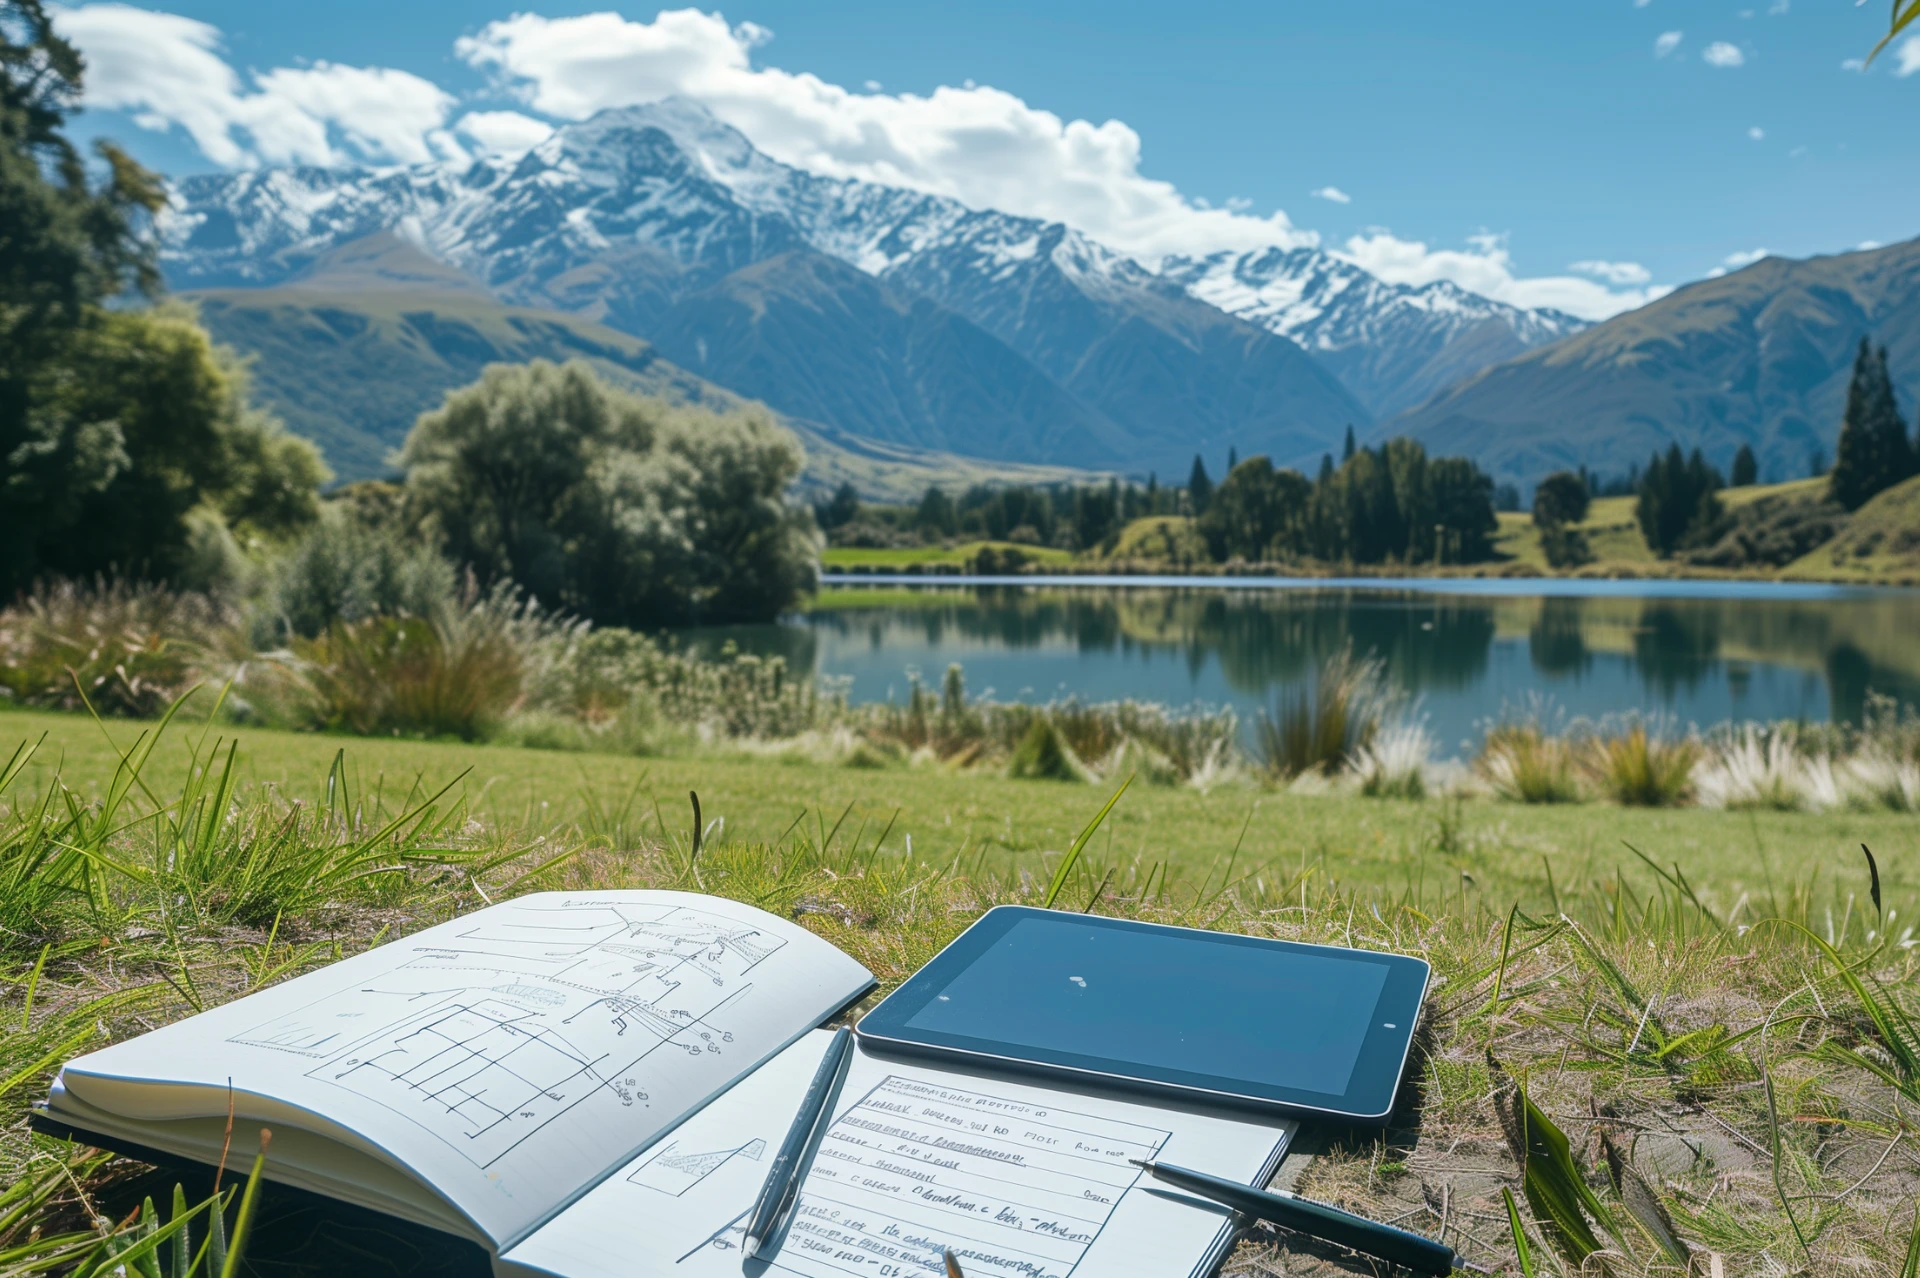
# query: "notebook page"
1016,1179
508,1058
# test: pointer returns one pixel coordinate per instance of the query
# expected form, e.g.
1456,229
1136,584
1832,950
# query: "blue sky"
1549,152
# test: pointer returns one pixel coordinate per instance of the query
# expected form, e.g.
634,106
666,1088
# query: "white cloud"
1666,42
503,132
1867,245
167,72
1641,4
1779,7
1757,133
1332,193
1620,274
1486,267
1734,261
975,143
1854,64
1722,54
1907,56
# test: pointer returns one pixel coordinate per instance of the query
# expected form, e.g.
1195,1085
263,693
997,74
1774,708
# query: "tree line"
1390,503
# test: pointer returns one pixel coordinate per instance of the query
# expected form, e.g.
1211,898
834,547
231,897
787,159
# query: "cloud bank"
983,146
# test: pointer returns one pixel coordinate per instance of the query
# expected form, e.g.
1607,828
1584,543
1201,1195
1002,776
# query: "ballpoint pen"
1330,1224
784,1176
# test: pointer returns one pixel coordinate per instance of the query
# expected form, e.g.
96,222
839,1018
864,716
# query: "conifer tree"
1347,455
1233,458
1746,468
1874,452
1199,486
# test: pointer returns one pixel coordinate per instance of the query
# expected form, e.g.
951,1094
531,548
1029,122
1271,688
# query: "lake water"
1685,652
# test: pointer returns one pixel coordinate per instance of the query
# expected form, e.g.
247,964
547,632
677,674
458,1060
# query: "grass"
957,554
1752,1083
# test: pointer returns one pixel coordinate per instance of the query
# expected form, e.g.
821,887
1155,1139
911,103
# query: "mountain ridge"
619,217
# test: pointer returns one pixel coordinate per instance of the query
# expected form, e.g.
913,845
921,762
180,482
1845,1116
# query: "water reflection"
1740,653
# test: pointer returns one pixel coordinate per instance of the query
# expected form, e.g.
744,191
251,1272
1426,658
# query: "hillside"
375,332
1760,356
1881,542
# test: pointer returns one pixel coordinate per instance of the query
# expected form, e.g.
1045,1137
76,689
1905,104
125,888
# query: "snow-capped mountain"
654,219
1393,345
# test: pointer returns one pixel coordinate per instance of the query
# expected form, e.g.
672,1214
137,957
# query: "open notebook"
592,1083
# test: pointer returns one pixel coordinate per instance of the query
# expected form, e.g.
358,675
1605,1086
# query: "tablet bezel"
1370,1093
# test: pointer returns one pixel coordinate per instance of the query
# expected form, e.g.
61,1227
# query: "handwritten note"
915,1167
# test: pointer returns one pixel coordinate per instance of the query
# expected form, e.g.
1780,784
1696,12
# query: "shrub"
344,570
1044,755
1323,727
1640,769
1394,764
129,649
1523,763
455,674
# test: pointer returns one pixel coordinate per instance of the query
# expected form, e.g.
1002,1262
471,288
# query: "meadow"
1693,1051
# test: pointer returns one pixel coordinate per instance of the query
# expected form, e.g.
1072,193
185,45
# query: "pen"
784,1176
1316,1219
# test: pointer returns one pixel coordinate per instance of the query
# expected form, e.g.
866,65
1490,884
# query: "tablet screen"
1308,1027
1155,998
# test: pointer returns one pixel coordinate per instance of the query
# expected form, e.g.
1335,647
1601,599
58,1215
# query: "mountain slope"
375,333
1761,356
1392,345
817,339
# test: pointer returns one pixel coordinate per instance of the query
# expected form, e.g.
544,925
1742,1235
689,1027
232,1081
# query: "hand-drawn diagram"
486,1038
673,1172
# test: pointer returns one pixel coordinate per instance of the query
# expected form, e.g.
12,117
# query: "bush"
1523,763
1044,755
128,649
1770,533
1639,769
625,510
455,674
347,571
1323,727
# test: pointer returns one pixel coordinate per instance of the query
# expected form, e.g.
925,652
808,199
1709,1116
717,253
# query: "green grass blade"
1072,857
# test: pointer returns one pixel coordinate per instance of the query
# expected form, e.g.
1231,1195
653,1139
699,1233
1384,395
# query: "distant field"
956,554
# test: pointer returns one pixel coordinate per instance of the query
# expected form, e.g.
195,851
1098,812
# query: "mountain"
625,217
1761,356
369,335
1392,345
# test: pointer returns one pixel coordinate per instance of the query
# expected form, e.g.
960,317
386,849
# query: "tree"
936,513
623,509
1199,486
1678,500
1233,458
1257,514
1561,499
840,509
1746,467
143,435
1346,454
1462,502
1873,453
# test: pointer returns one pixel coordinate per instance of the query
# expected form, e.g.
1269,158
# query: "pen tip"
1142,1163
953,1266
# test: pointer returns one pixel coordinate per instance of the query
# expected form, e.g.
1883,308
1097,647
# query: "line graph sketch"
674,1172
486,1038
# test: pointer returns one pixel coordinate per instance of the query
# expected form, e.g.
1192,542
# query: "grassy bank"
1654,1007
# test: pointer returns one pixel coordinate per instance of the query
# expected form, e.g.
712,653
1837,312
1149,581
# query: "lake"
1461,650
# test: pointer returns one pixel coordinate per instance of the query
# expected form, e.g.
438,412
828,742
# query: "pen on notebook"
953,1266
783,1177
1330,1224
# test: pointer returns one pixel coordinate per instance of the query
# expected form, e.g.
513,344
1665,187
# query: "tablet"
1209,1015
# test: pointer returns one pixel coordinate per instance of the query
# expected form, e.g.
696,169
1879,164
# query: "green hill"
1881,542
